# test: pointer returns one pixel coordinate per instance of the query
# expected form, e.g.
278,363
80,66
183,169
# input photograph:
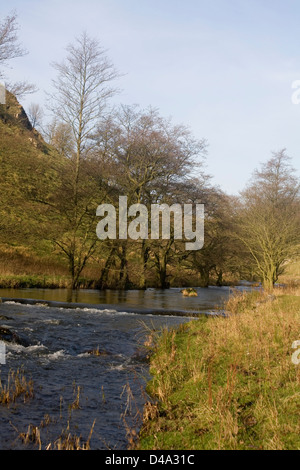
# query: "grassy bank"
23,267
228,383
36,281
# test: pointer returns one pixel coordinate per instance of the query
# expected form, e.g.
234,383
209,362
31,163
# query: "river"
61,328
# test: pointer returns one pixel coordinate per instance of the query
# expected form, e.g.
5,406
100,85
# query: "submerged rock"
141,355
98,352
190,292
9,336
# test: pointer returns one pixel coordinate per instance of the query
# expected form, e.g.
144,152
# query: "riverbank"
22,268
19,270
39,281
27,281
228,383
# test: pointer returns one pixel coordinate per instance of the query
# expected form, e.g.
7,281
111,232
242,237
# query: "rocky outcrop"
9,336
14,118
98,352
13,113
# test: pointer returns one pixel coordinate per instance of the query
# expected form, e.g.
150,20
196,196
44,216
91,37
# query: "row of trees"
94,154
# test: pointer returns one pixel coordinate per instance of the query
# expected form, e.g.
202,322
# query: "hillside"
15,126
26,166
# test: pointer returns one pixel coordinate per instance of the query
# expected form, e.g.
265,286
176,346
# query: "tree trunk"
220,278
145,258
204,276
105,271
164,284
123,277
269,280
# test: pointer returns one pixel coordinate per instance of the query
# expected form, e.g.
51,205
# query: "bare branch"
20,89
9,46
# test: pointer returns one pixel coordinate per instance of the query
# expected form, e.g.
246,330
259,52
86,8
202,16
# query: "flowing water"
60,329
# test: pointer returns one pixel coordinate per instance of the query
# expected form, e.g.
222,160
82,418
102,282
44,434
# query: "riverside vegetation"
219,383
54,175
228,383
39,249
17,387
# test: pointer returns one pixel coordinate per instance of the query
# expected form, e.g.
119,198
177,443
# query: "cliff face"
13,114
15,125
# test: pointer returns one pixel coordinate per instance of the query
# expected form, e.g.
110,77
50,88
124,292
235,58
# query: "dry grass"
16,385
69,441
20,260
66,441
32,436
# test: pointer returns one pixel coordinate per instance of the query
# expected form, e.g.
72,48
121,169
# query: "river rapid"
74,388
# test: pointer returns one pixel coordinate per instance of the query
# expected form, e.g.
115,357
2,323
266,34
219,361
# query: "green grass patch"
228,383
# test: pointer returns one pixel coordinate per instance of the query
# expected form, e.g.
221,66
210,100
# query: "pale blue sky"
224,68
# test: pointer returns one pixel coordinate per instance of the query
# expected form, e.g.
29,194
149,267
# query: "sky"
224,68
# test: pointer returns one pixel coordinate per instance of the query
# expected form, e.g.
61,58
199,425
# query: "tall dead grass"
15,386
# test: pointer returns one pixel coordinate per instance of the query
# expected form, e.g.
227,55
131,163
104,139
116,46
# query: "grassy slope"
24,261
228,383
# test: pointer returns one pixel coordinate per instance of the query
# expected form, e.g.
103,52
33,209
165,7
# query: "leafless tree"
35,114
21,88
81,91
269,221
82,88
150,160
10,49
9,46
60,136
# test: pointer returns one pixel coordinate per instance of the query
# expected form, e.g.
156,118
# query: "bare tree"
149,159
82,88
21,88
9,46
11,49
35,114
269,222
60,136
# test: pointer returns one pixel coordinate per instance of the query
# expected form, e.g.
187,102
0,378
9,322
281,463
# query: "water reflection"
210,298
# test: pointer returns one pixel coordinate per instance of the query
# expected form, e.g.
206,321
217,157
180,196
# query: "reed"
15,386
69,441
32,436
